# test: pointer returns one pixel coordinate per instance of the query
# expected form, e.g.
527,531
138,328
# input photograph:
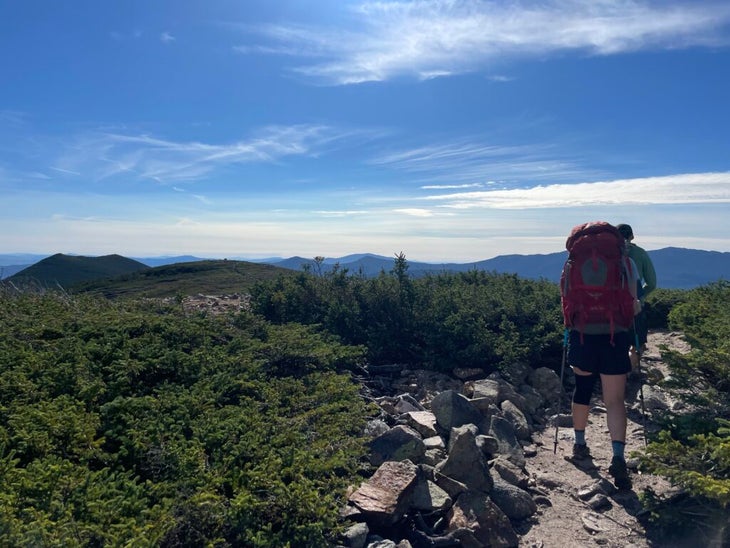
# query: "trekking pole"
641,382
560,400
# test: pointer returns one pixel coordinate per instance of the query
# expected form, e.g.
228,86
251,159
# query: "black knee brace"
583,389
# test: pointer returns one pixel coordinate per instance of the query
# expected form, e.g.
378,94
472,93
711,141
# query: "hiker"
646,284
599,300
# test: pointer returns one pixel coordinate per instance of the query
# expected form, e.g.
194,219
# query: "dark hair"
625,231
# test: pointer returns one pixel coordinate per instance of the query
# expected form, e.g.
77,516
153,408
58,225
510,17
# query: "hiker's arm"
634,283
649,274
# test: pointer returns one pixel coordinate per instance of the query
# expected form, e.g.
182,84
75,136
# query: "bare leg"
614,391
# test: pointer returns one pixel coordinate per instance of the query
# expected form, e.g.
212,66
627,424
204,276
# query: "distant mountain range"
677,268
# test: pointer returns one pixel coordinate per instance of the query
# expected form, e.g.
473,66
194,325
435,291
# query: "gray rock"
406,403
488,524
453,410
510,473
434,456
517,419
546,382
485,389
376,427
485,405
423,422
599,502
429,497
488,444
654,400
403,406
356,535
451,486
592,522
533,399
398,443
507,392
602,487
382,543
466,462
516,503
508,444
434,442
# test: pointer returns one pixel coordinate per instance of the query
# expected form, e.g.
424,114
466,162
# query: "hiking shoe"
619,472
581,451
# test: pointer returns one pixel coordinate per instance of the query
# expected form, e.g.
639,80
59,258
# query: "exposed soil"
566,519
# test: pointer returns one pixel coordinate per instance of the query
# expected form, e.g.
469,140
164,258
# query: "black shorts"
596,354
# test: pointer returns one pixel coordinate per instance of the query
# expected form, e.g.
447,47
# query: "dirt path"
581,507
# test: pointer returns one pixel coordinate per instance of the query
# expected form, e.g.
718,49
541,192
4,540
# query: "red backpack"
595,280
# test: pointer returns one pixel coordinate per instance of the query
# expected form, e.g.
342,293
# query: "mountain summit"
67,270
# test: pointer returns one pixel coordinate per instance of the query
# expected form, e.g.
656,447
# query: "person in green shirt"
647,284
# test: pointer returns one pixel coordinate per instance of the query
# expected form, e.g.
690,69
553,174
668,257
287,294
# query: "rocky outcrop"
450,458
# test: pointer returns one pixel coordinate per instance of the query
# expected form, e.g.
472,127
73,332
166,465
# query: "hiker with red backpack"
599,300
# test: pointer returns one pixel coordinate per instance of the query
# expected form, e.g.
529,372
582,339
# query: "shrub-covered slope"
694,448
134,424
207,277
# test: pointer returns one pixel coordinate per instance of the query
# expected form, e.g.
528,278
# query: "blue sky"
449,130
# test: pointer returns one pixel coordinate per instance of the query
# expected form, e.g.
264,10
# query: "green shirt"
645,267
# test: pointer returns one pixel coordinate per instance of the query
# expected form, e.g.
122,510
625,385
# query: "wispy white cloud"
465,162
106,155
445,187
690,188
12,118
500,78
415,212
65,171
429,38
340,214
166,37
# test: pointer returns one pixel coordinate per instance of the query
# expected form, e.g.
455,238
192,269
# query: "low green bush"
693,449
438,321
133,423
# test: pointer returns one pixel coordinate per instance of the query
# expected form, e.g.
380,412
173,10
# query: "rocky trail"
474,462
585,509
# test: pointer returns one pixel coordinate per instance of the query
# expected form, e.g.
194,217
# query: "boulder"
501,429
386,496
489,525
517,419
453,410
424,422
356,535
466,462
516,503
546,382
398,443
429,497
486,389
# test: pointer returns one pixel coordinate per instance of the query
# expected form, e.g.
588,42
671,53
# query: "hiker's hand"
637,306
